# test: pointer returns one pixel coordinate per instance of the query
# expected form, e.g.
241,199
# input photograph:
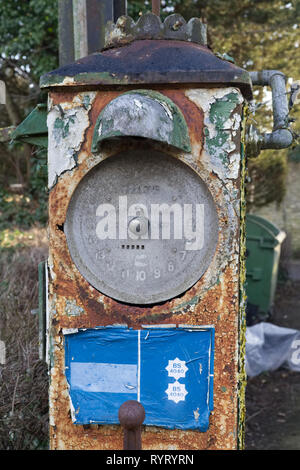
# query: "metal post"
81,26
5,134
2,92
120,8
131,416
65,32
156,7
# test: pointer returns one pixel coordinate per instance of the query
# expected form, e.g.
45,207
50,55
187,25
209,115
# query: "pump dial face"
142,227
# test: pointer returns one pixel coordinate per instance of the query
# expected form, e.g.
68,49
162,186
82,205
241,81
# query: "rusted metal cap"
148,58
150,26
131,414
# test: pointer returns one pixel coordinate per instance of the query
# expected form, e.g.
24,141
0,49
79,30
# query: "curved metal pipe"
281,137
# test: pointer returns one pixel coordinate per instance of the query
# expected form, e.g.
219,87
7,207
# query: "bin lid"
256,225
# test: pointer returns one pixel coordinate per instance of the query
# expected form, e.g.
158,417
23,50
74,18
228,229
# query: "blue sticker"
99,377
168,370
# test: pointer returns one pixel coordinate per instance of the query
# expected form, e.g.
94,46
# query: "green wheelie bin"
263,247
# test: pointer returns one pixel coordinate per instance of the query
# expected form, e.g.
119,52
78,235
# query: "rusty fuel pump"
144,281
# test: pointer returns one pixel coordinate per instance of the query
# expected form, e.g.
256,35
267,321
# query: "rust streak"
193,115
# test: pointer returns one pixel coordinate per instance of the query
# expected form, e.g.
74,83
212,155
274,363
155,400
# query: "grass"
23,376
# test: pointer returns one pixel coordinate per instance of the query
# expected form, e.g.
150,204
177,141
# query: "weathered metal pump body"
145,270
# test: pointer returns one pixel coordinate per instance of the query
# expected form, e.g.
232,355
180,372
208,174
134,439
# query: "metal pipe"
120,8
80,29
281,137
2,92
156,7
65,32
131,417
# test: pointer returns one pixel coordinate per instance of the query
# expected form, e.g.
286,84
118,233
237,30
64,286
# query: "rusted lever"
131,417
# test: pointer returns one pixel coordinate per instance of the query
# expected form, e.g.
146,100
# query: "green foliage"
28,49
39,172
258,34
294,154
268,178
139,7
30,208
28,35
21,210
38,186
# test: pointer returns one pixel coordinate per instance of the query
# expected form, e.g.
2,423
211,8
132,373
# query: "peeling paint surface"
66,127
142,113
213,300
72,308
220,126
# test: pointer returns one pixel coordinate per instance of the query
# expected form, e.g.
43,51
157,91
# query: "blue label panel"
168,370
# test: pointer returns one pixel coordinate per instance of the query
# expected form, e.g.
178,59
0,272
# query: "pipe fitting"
281,136
278,139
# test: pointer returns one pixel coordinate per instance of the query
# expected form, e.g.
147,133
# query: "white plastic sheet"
269,347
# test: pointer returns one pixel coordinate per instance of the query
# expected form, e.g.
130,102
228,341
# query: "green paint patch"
192,301
86,101
95,78
85,78
220,112
33,129
63,125
218,142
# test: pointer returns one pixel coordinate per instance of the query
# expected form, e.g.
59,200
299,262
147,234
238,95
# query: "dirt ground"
273,398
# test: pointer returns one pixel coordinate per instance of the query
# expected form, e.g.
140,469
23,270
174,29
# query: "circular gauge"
142,227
